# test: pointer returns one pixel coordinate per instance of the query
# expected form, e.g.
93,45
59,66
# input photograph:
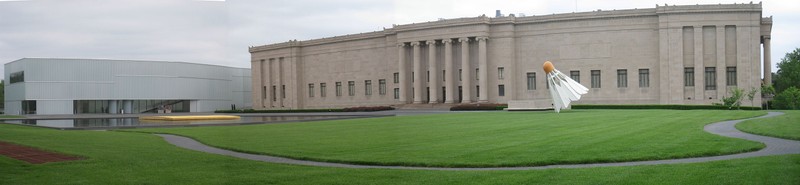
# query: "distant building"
78,86
690,54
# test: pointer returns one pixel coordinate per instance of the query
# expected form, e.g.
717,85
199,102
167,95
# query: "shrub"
484,106
351,109
788,99
367,109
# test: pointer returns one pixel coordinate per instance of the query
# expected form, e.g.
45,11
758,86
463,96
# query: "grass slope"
488,139
786,126
137,158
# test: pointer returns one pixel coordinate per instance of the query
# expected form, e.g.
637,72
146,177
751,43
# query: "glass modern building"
97,86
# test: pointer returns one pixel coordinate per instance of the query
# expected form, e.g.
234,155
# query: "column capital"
401,44
766,37
464,39
414,44
481,39
446,41
430,42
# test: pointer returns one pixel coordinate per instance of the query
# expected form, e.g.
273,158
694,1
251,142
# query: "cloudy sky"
219,32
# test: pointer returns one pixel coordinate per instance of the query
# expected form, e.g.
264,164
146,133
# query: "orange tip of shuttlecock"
548,67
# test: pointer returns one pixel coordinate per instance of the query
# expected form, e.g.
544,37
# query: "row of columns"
127,106
450,87
270,89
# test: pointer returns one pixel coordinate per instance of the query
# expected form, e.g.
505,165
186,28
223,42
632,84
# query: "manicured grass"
488,139
785,126
137,158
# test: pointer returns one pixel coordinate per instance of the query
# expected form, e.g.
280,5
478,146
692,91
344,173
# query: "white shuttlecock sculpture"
563,89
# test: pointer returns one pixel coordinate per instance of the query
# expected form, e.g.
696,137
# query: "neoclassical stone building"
685,54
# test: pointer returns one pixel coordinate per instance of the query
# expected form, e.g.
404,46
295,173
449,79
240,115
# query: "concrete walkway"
775,146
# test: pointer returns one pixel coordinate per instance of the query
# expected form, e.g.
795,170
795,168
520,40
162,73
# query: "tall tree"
788,72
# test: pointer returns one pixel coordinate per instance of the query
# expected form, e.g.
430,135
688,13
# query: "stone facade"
691,54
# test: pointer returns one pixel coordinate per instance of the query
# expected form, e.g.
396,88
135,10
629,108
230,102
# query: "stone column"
483,77
112,106
434,72
127,106
722,75
699,68
449,84
767,61
279,88
417,74
466,86
403,72
268,84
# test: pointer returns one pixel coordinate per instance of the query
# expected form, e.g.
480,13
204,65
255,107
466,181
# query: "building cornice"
484,20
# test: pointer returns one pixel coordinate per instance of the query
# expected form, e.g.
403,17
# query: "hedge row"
487,106
351,109
676,107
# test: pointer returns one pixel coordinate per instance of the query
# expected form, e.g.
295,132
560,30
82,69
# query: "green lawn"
138,158
488,138
786,126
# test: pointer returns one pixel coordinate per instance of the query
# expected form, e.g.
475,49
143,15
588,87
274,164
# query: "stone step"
425,106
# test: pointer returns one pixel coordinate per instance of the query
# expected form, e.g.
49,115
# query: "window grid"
311,90
382,86
351,88
338,88
688,77
595,78
731,76
500,71
644,77
575,75
501,90
396,77
622,78
711,78
531,81
368,87
322,89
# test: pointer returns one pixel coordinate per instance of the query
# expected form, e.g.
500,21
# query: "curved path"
775,146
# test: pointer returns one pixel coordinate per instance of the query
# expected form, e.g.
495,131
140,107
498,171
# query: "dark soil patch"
32,155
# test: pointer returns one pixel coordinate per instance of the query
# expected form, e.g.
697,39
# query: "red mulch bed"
32,155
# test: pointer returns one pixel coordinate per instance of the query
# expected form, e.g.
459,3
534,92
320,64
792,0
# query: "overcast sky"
219,32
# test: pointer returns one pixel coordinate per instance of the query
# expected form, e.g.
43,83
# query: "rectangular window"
412,77
322,89
444,75
644,77
274,93
428,76
711,78
622,78
688,77
283,91
500,71
367,87
396,93
396,77
351,88
459,75
575,75
263,92
501,90
531,81
595,78
338,88
17,77
478,90
731,76
382,86
310,90
477,71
